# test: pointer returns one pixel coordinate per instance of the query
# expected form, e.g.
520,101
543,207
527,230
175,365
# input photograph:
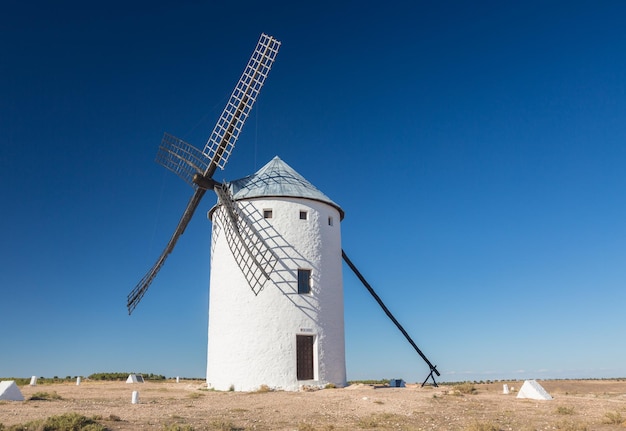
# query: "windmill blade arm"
182,158
140,290
354,269
197,167
226,131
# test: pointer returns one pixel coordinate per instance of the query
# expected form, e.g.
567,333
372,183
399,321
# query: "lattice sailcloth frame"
252,254
241,101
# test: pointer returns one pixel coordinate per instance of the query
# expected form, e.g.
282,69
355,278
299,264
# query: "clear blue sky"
477,150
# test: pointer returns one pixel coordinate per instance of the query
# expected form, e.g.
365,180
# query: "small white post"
505,389
177,379
78,381
33,381
135,397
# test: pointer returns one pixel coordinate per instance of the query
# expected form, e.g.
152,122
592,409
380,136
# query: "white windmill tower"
272,232
286,331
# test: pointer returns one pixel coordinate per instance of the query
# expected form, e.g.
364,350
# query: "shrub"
64,422
465,388
124,376
45,396
225,426
562,410
571,426
369,382
482,426
109,376
614,418
177,427
382,420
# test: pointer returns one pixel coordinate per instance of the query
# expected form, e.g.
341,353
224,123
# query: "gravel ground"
577,405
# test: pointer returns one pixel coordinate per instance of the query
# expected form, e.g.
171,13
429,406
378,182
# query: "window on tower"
304,281
303,215
267,213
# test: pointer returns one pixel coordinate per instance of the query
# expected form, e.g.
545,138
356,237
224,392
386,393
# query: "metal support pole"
433,368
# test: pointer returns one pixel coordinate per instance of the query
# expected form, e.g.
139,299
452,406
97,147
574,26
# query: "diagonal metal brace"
433,368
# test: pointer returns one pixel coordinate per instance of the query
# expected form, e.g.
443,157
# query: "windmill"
273,227
198,167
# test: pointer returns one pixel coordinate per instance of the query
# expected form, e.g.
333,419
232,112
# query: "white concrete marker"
135,397
78,381
10,391
533,390
177,379
505,389
33,381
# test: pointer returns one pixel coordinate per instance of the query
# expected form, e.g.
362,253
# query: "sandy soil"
577,405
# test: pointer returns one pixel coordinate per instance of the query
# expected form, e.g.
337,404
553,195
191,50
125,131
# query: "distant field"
578,405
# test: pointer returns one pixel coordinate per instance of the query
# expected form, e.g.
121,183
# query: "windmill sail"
140,290
253,256
196,167
182,158
226,131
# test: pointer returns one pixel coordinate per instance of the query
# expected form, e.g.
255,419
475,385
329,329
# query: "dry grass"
482,426
225,426
567,425
64,422
562,410
465,388
178,427
382,421
613,418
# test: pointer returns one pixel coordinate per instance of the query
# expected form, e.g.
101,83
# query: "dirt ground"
577,405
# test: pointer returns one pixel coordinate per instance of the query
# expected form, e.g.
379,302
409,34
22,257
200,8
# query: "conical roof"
278,179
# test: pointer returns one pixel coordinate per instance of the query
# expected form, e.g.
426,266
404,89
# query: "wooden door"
304,357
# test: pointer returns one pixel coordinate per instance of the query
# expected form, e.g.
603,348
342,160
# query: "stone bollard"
135,397
78,381
177,379
505,389
33,381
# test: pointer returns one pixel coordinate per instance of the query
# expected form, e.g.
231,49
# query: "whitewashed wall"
252,339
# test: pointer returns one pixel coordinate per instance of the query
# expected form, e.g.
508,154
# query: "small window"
304,281
304,215
330,221
267,213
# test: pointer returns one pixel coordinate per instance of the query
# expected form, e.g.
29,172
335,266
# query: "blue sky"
477,150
